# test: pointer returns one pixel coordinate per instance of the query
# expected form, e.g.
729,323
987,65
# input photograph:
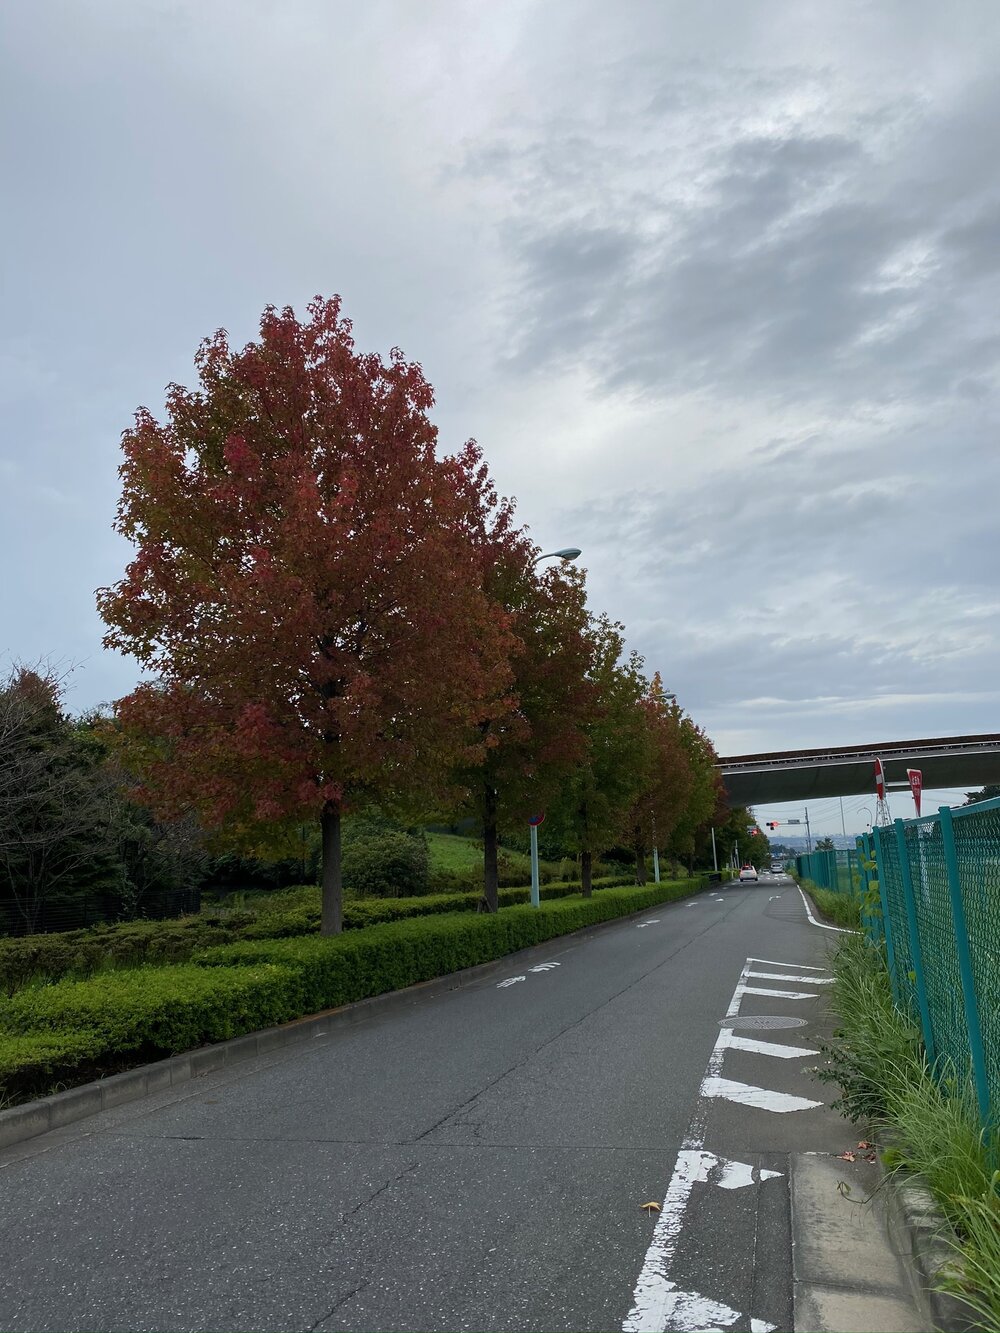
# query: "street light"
567,553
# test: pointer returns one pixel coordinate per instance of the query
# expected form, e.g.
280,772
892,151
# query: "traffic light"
772,824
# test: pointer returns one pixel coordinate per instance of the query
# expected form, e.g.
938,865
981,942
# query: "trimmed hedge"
71,1030
81,953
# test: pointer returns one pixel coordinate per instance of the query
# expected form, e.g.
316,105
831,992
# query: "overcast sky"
715,285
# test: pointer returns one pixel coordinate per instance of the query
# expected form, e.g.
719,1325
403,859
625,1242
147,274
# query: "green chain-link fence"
838,871
938,883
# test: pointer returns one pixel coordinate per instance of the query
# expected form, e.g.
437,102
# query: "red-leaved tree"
667,781
304,591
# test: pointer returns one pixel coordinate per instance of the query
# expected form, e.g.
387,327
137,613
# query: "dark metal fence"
92,910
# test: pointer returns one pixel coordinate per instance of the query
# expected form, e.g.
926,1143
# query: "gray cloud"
715,288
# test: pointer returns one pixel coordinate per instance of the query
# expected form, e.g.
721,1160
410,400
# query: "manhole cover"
762,1021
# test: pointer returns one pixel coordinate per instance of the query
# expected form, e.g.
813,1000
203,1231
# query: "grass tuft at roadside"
925,1120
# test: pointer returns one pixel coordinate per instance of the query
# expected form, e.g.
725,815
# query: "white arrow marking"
747,1095
657,1303
781,994
643,924
768,1048
511,981
543,967
788,976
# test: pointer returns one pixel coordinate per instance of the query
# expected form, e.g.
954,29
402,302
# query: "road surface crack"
365,1282
518,1064
381,1190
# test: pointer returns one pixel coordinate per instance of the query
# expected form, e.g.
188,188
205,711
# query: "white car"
748,872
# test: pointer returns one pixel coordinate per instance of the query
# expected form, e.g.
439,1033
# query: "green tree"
667,779
596,797
824,845
535,745
56,802
704,792
988,793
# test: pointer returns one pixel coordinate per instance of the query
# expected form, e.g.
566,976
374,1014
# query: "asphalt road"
462,1156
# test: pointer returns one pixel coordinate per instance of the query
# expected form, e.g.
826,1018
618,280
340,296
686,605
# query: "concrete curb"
64,1108
846,1275
920,1235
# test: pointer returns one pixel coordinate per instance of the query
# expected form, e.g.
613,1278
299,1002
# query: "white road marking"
781,994
776,962
777,1049
841,930
789,976
761,1326
657,1304
643,924
747,1095
543,967
510,981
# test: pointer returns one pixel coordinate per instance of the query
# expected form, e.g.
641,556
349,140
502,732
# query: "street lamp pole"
564,553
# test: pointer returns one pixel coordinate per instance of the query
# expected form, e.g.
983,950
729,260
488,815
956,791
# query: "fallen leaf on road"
869,1157
864,1145
847,1157
651,1207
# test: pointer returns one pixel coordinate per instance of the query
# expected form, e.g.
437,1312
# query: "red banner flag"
916,786
879,780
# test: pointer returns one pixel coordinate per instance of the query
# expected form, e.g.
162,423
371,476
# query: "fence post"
868,921
965,963
916,953
890,951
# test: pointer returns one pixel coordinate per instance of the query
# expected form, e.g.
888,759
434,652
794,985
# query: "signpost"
916,786
533,822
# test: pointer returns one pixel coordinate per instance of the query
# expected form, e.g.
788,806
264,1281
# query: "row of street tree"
330,615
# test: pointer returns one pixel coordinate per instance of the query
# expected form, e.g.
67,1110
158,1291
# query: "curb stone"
919,1233
846,1275
43,1114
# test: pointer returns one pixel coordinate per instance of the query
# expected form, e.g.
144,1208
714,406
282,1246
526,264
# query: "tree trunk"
490,873
586,867
640,857
331,922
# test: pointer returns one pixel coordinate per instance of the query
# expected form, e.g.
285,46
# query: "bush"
89,1026
385,864
81,953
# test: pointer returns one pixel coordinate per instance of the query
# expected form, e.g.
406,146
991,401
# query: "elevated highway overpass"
849,770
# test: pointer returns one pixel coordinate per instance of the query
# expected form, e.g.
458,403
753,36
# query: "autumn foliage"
303,591
331,614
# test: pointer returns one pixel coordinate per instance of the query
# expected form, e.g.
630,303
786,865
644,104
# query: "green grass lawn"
451,852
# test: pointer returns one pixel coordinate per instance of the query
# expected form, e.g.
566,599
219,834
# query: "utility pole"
715,859
809,840
843,826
